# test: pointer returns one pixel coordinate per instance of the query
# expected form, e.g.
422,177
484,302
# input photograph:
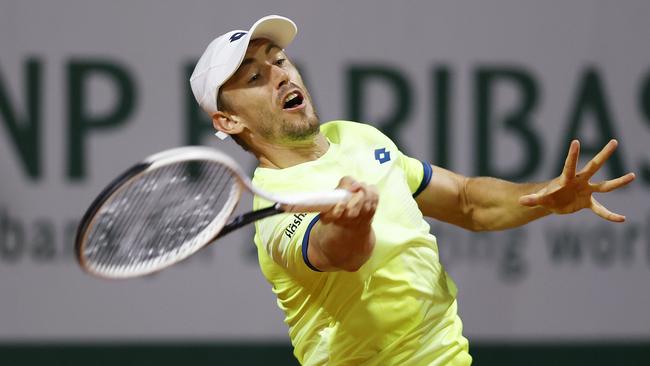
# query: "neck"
285,155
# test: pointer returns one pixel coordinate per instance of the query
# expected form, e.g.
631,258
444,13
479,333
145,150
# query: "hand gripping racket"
169,206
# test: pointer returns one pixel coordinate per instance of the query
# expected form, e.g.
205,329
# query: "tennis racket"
165,208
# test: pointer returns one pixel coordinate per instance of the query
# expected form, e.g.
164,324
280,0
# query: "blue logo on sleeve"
381,155
236,36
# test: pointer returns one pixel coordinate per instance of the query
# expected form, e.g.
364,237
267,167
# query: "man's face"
268,96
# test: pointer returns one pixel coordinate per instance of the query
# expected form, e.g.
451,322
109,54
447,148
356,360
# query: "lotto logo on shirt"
381,155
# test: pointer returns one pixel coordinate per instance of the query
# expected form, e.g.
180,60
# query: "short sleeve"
285,238
418,173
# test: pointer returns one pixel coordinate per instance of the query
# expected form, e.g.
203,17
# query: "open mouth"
292,100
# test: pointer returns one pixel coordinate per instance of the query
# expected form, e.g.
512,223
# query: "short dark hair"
222,106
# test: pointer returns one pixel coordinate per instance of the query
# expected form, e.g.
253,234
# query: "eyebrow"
268,49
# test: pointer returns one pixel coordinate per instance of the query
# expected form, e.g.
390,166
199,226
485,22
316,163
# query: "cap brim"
276,28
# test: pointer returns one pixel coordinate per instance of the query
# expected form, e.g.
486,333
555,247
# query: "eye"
254,78
280,61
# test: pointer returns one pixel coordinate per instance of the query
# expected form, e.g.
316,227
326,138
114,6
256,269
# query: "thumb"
349,184
529,200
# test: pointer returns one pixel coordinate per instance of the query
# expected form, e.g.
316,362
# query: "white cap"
224,55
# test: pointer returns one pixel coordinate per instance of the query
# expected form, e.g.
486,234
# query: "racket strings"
158,215
156,242
144,196
116,220
147,251
131,201
153,246
204,213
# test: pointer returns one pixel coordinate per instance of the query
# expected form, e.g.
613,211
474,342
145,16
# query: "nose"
280,75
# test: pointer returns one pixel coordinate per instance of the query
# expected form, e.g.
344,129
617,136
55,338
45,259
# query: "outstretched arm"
492,204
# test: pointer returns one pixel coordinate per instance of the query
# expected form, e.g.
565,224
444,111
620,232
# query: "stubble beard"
308,127
291,131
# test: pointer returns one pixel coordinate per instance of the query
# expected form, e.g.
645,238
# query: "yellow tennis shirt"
400,307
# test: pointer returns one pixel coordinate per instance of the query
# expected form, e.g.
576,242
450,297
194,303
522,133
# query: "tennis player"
361,283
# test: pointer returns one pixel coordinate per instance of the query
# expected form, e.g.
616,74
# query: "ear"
226,122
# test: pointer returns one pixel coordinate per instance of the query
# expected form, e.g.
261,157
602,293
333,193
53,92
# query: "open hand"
572,191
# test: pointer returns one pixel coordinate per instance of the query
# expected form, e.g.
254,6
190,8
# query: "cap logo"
236,36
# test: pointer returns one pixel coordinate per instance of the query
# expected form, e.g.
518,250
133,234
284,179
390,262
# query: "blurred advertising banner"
483,88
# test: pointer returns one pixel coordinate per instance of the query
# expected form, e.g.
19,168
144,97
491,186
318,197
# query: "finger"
348,183
603,212
369,208
571,161
367,195
597,162
613,184
354,205
333,214
339,210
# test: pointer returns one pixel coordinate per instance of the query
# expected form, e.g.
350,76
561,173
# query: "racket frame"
149,164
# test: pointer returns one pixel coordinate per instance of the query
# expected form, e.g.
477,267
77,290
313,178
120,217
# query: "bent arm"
477,204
